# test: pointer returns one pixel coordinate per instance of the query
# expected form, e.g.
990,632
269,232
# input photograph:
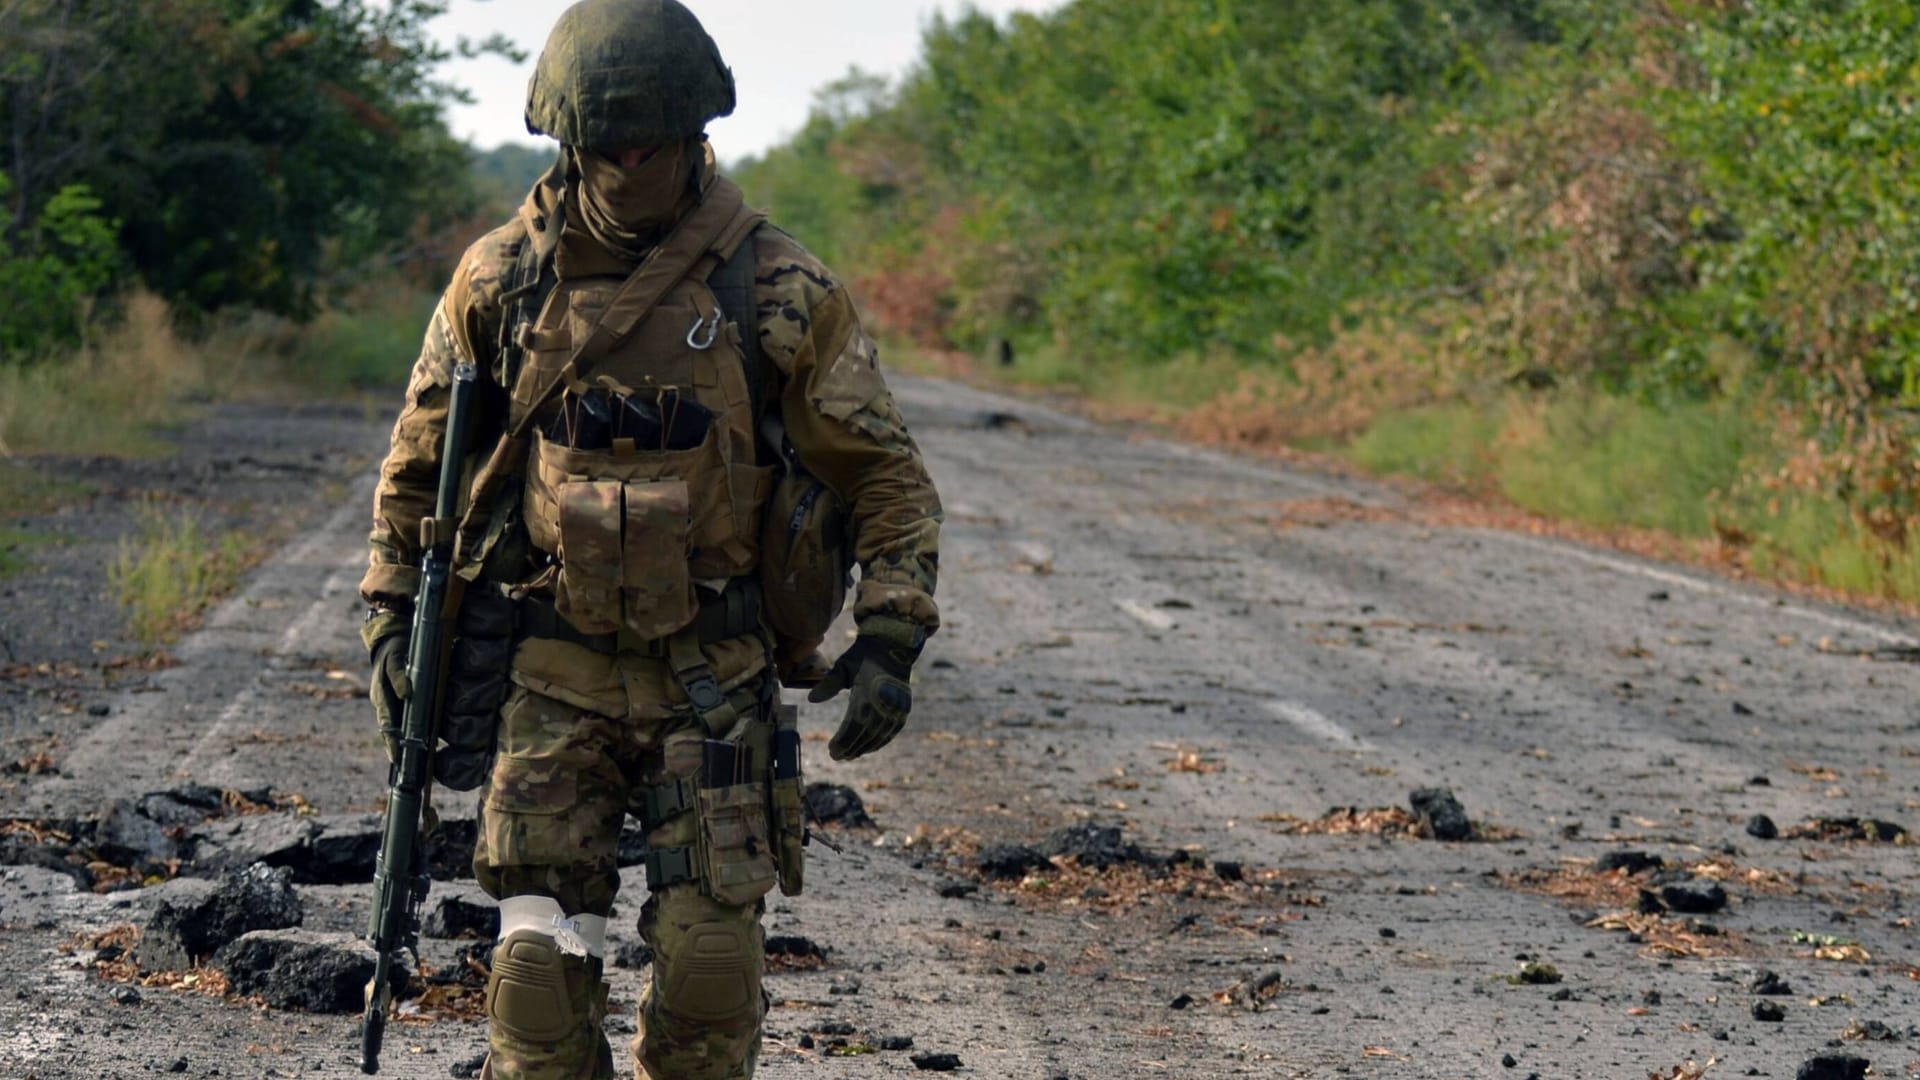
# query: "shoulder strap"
528,287
693,239
732,287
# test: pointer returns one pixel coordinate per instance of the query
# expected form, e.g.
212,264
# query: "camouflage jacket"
838,413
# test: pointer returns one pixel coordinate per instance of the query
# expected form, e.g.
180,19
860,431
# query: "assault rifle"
400,879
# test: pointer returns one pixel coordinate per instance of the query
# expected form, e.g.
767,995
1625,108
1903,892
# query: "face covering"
627,210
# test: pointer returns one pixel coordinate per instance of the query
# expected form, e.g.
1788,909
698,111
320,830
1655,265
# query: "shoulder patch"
487,265
789,286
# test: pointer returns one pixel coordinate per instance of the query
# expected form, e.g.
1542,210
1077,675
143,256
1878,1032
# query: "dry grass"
1661,936
109,396
1581,886
1068,886
171,571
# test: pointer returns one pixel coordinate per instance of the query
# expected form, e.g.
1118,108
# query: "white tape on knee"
576,935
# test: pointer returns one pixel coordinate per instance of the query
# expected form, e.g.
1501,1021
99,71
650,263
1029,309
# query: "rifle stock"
400,881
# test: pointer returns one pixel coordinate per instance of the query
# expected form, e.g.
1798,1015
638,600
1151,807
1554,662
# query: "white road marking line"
1156,620
302,629
1318,724
244,701
1711,588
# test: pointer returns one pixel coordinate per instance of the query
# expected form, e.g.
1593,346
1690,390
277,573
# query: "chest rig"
636,408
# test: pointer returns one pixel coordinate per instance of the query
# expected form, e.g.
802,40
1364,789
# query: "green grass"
1606,460
1443,444
13,549
25,490
369,345
172,570
1591,458
1685,469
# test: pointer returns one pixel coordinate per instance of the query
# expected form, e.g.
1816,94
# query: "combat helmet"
617,74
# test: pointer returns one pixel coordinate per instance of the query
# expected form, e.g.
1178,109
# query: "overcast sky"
780,52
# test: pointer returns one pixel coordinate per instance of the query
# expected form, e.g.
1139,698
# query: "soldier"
655,362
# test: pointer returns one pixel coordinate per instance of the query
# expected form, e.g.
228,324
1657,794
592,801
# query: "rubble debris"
957,890
935,1062
634,954
449,853
1536,973
458,916
1869,1031
1097,847
1253,994
183,807
1834,1067
1664,937
1849,829
1768,1012
1761,827
125,837
1181,1002
336,850
1697,897
188,928
471,966
1631,862
466,1070
1348,821
1439,815
1011,861
631,850
834,1027
791,951
235,843
44,848
1230,871
836,804
894,1043
1768,984
303,970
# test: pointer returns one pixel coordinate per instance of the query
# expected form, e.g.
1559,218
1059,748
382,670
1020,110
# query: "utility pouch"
736,852
805,558
590,515
657,594
786,807
477,685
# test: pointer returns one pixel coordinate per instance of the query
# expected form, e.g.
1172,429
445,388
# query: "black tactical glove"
389,686
878,668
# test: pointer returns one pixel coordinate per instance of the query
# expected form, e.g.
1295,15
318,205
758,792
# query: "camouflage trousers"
563,781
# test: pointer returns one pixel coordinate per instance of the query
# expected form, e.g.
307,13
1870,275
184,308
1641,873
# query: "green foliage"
1802,121
252,151
1686,226
67,257
507,172
1137,182
369,343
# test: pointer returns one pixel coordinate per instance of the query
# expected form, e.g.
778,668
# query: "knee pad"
710,971
529,993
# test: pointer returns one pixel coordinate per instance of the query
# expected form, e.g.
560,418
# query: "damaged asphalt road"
1155,814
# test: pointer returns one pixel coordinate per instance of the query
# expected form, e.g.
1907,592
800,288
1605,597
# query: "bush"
51,271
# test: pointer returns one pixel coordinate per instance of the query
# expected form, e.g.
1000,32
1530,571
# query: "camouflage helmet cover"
617,74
